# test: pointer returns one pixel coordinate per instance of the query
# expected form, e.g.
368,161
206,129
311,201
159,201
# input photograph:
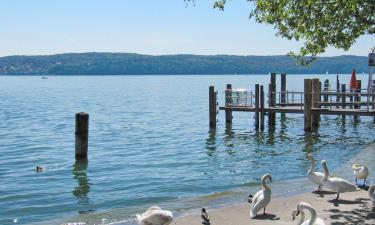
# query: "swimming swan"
262,198
314,177
336,184
360,172
371,193
300,210
155,216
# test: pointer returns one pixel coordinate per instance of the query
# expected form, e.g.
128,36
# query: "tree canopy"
317,23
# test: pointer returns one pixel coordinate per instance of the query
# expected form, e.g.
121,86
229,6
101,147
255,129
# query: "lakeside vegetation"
136,64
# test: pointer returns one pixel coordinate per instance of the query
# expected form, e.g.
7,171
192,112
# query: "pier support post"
307,104
326,88
272,100
257,106
315,103
81,135
283,89
343,97
338,91
357,98
261,107
212,106
228,102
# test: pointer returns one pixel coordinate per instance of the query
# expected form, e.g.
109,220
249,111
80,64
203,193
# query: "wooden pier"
312,102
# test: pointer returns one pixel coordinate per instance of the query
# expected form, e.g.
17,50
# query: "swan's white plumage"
262,198
314,177
338,185
360,172
314,220
371,193
155,216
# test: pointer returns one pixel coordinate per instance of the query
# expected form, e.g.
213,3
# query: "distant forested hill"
135,64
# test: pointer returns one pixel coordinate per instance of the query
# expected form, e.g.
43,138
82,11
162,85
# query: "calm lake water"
149,145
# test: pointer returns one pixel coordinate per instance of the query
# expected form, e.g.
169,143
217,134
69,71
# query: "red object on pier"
353,81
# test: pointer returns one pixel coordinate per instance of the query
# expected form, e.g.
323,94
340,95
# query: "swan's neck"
302,217
326,171
312,165
264,185
313,214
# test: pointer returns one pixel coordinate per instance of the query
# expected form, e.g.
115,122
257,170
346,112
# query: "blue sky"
33,27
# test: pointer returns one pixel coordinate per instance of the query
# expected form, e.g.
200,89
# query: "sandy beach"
352,208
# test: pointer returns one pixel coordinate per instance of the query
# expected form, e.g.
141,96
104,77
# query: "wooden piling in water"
337,90
228,101
256,106
326,88
272,100
212,106
307,104
343,97
283,89
81,135
261,107
357,98
315,103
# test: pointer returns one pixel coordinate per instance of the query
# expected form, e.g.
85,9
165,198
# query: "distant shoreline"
136,64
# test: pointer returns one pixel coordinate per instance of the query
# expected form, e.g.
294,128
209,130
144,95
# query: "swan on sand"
338,185
314,177
155,216
314,220
360,172
262,198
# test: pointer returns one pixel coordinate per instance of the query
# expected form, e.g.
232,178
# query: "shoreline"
352,208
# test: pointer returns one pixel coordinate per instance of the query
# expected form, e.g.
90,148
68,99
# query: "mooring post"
256,106
82,135
326,88
228,102
212,106
272,103
337,91
307,104
343,97
357,98
261,107
283,89
315,103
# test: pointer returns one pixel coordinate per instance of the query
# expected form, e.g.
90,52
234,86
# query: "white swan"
314,177
371,193
313,219
262,198
155,216
360,172
336,184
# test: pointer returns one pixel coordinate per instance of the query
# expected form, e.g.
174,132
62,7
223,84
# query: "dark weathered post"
272,103
261,107
315,103
343,97
357,98
283,89
82,135
228,101
257,106
307,104
212,106
337,91
326,87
